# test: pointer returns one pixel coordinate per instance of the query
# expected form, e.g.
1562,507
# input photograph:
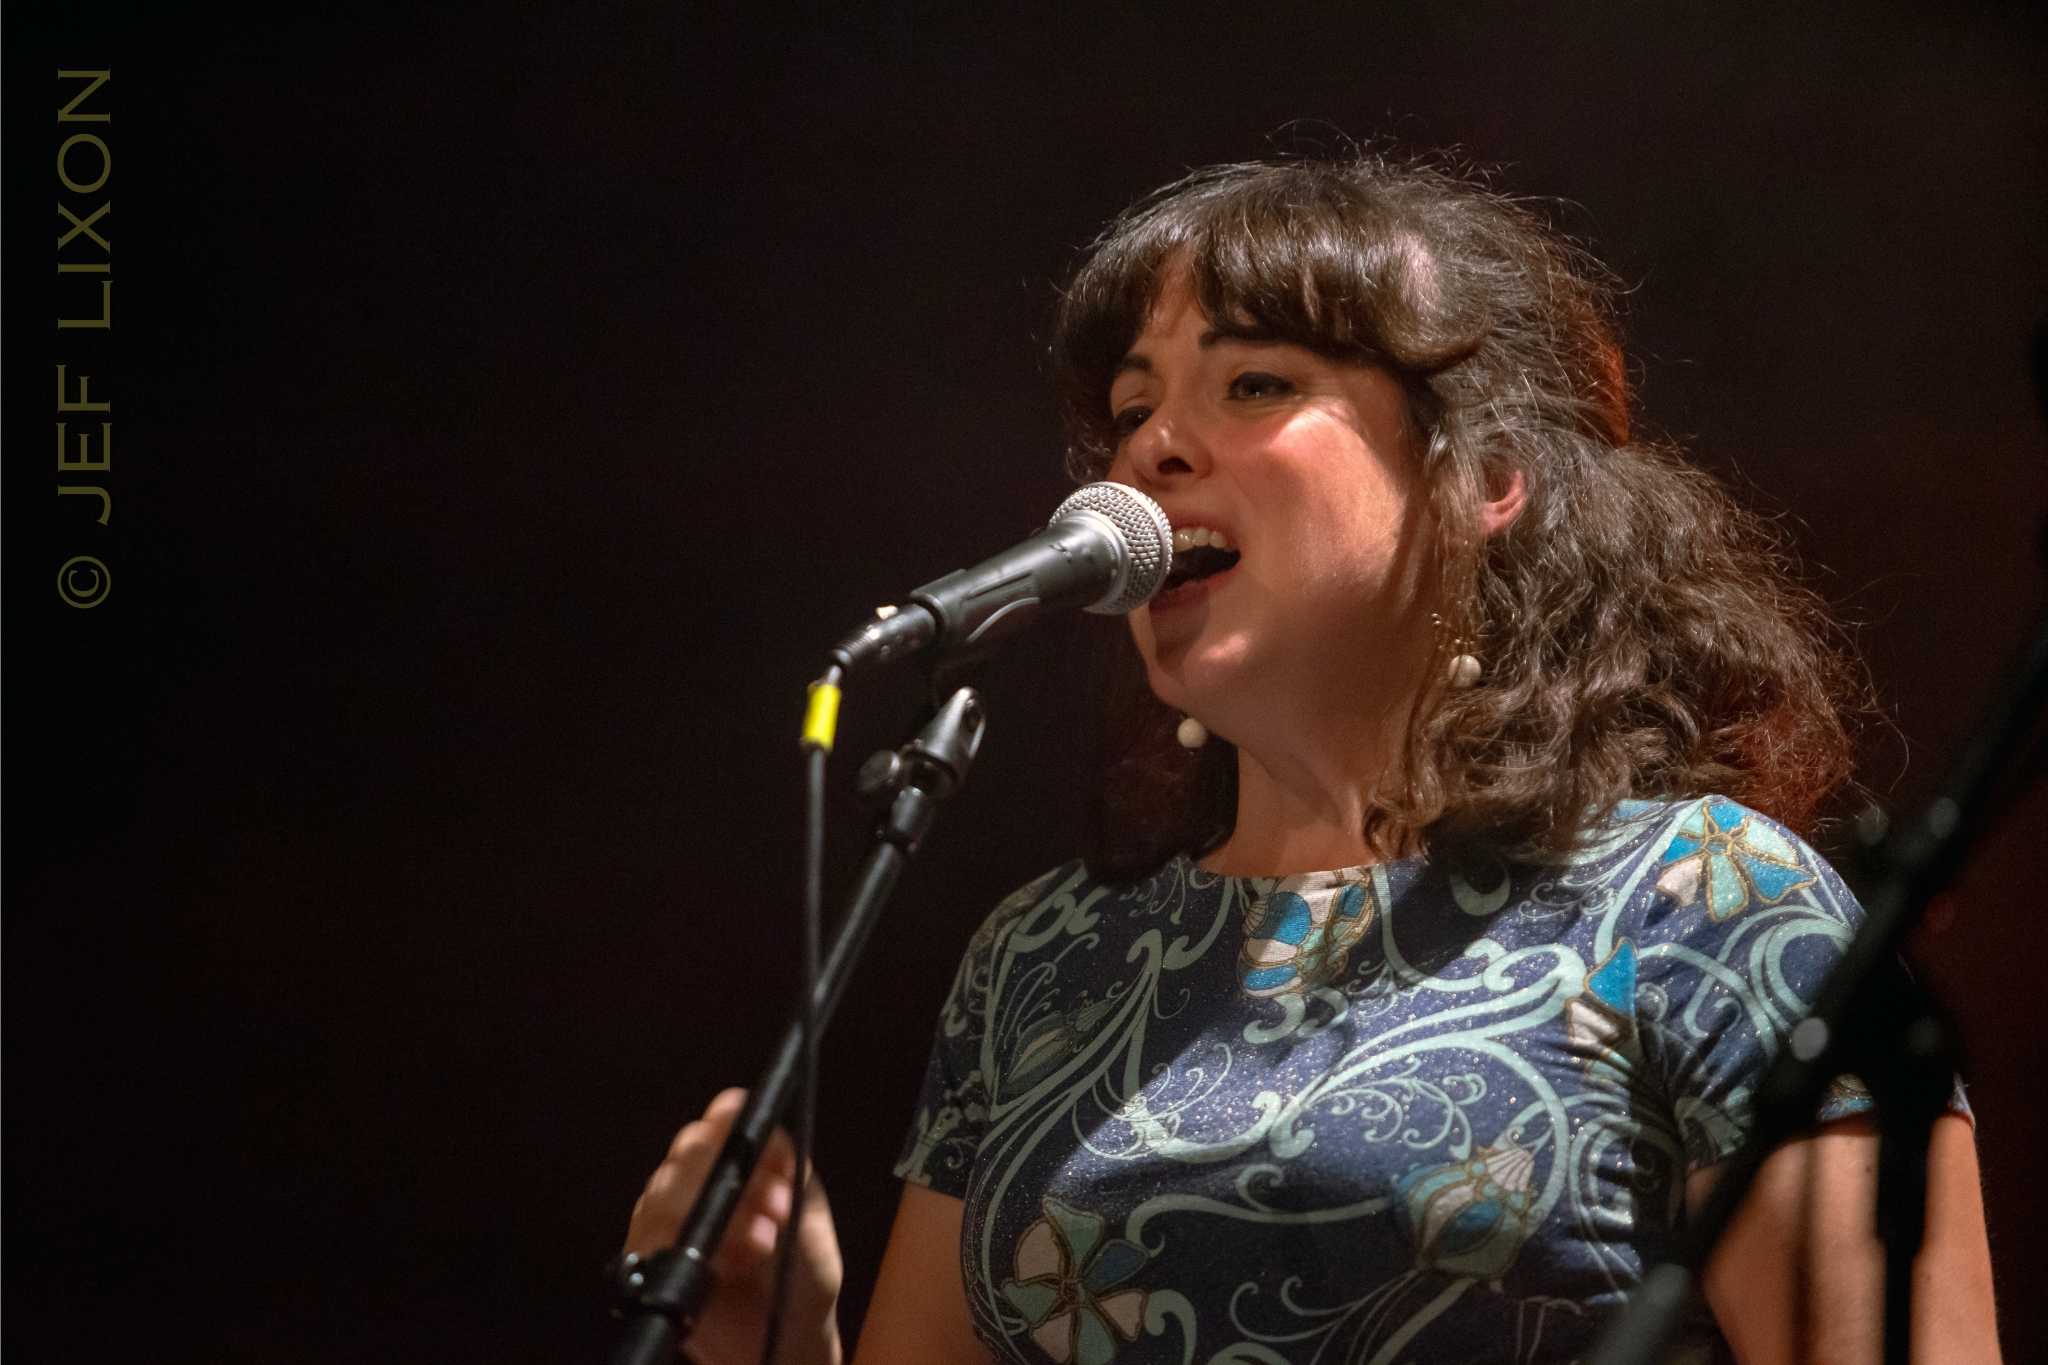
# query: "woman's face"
1308,470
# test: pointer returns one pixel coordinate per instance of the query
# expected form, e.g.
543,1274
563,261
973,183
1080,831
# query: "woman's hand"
735,1318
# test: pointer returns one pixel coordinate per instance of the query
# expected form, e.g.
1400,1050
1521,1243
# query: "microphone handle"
1077,561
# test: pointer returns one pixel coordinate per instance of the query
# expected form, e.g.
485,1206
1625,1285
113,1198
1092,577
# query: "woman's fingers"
734,1321
673,1187
764,1206
779,1156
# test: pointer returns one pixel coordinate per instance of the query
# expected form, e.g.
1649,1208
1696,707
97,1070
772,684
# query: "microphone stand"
1869,1019
661,1295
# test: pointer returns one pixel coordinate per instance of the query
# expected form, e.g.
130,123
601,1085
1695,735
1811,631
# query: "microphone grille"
1146,534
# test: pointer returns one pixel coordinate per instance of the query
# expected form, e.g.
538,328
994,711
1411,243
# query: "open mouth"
1191,568
1197,563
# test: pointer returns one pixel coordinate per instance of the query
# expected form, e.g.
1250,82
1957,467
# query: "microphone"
1107,548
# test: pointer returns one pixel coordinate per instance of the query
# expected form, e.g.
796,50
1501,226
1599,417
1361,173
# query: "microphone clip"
935,762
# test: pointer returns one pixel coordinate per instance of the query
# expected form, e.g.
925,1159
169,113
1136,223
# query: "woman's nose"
1166,450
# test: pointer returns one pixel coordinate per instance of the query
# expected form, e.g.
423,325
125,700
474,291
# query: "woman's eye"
1128,420
1257,385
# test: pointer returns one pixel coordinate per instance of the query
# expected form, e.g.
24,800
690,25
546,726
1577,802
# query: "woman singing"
1449,900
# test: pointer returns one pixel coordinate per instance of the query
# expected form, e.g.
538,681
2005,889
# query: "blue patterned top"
1379,1114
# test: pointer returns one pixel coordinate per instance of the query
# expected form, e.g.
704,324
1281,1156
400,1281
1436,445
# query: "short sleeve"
951,1115
1741,927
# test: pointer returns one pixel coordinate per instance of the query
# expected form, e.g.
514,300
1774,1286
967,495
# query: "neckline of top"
1311,877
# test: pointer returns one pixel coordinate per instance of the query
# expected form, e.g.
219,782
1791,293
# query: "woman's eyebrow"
1249,333
1134,363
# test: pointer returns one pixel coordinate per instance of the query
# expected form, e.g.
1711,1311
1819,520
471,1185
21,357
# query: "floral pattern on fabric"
1300,933
1733,858
1470,1217
1064,1282
1396,1113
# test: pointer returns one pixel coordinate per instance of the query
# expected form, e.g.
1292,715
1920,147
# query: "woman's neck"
1302,808
1316,746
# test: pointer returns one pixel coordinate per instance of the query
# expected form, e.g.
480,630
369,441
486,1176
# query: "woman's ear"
1507,495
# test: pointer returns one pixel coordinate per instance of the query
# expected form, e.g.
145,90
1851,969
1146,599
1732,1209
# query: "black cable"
815,757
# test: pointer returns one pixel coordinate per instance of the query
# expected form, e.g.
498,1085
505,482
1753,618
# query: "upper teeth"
1193,537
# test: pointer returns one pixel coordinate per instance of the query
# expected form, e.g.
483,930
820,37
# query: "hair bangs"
1302,254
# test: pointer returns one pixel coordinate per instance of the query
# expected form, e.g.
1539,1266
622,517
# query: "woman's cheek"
1141,636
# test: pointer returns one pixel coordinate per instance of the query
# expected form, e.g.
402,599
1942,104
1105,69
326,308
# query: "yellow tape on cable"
821,716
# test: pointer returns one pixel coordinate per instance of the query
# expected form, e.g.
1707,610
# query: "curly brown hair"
1642,634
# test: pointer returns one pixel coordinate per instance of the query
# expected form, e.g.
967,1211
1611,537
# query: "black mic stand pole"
662,1294
1869,1016
1868,1019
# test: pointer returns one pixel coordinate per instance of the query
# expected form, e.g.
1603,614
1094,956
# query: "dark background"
511,403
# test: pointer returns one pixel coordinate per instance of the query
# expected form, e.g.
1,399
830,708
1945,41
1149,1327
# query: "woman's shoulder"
1075,898
1702,864
1677,828
1054,885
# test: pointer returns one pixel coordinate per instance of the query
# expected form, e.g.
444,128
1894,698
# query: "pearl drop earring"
1191,733
1463,669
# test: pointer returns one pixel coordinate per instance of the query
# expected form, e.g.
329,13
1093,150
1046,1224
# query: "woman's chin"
1184,608
1194,673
